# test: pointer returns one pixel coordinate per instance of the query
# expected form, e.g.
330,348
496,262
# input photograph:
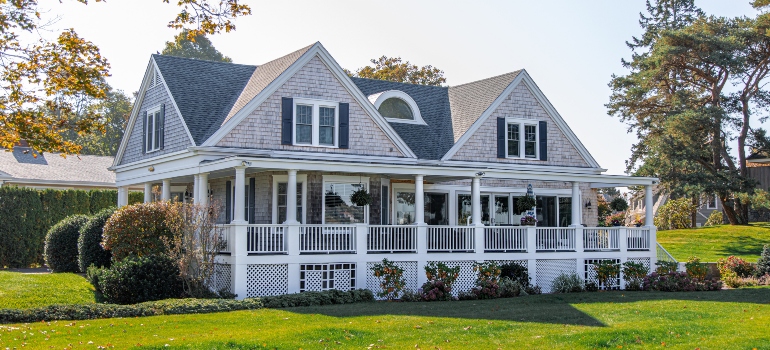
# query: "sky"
570,48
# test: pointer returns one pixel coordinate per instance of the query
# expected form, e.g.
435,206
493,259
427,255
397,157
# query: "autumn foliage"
137,230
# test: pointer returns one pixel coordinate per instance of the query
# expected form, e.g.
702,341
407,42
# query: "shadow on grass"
551,308
743,246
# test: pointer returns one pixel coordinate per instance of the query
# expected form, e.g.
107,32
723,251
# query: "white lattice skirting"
590,274
546,270
410,275
223,274
267,279
320,277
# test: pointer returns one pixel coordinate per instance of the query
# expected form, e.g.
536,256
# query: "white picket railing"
450,239
224,239
327,239
601,238
555,239
505,239
638,238
266,239
392,239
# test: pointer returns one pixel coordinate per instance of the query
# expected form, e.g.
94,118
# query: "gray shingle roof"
430,141
468,101
204,91
55,168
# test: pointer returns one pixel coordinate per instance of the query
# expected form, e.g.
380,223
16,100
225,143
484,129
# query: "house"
25,167
281,147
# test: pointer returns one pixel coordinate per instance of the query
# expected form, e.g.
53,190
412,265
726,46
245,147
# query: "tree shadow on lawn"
744,246
550,308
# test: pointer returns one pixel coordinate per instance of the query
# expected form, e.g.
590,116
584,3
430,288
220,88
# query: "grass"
24,291
629,320
712,243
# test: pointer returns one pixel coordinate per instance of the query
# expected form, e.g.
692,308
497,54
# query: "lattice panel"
319,277
546,270
522,263
590,274
467,278
222,276
643,261
267,279
410,276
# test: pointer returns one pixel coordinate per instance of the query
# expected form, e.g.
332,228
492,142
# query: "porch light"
480,173
151,168
245,163
588,204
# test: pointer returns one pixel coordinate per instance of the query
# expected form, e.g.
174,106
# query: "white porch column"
166,193
577,214
476,201
291,198
240,193
196,189
203,183
648,206
147,192
122,196
419,200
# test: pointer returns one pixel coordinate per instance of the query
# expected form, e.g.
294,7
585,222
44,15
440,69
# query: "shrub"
633,273
90,250
696,269
734,266
509,288
675,214
619,204
137,279
616,219
440,280
567,283
763,264
606,271
515,272
61,244
22,233
678,282
391,278
138,230
409,295
592,287
665,267
487,278
715,218
327,297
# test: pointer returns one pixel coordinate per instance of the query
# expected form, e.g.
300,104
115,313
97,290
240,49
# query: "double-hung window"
316,122
153,130
522,139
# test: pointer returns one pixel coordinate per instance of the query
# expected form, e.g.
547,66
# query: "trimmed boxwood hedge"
328,297
90,251
61,244
139,279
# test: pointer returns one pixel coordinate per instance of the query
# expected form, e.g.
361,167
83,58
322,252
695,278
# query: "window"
338,208
316,122
522,139
282,187
246,207
153,130
396,108
712,202
435,208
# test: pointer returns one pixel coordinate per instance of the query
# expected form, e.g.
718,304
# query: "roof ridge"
399,82
485,79
205,61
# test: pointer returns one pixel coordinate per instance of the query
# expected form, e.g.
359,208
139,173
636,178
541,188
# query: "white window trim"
151,133
346,180
709,202
285,178
316,121
378,98
522,134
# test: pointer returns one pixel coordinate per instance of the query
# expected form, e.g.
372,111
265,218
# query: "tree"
198,47
394,69
42,82
674,98
115,108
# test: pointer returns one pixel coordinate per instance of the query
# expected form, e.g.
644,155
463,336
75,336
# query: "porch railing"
266,239
326,239
225,240
505,239
601,238
638,238
450,239
555,239
391,239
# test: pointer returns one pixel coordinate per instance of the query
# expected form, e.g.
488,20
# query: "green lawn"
712,243
23,291
732,319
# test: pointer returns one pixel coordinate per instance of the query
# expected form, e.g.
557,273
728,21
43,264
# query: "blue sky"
570,48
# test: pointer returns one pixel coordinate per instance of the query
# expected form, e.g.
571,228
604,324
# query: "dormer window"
397,107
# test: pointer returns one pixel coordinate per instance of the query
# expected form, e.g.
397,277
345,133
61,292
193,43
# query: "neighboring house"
281,147
706,205
26,168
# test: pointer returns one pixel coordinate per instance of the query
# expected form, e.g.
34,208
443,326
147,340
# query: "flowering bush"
391,278
616,219
137,230
734,266
675,214
696,269
715,218
678,282
487,277
440,280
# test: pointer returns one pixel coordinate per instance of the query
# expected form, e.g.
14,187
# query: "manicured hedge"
26,215
90,249
328,297
137,230
61,244
139,279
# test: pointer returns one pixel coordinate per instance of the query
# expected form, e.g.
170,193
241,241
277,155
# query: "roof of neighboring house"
52,168
469,101
204,91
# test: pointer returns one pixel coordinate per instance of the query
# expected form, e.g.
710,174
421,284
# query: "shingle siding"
262,128
521,104
177,138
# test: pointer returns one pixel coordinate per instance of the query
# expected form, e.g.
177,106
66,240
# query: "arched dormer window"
397,107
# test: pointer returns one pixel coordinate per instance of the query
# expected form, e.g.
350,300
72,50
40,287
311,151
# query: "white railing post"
292,233
653,246
531,234
237,234
623,239
362,248
478,242
579,248
531,239
422,253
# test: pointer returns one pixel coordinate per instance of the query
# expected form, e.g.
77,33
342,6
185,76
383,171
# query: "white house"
282,146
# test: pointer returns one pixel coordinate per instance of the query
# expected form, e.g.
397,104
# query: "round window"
396,108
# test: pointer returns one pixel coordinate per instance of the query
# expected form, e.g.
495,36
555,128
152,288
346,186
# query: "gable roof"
21,164
468,101
204,91
429,141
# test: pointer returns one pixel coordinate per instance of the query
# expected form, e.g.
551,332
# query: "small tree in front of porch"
391,278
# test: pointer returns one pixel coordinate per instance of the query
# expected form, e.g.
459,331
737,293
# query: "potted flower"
528,220
525,203
616,219
361,197
638,222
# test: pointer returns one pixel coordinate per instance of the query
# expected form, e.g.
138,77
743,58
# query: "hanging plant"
525,203
361,197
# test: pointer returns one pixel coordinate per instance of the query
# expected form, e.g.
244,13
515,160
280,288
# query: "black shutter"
287,119
228,202
344,125
144,132
501,138
251,199
543,140
162,123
